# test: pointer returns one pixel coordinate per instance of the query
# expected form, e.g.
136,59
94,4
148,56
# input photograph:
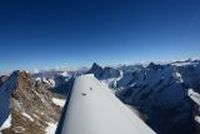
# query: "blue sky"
47,34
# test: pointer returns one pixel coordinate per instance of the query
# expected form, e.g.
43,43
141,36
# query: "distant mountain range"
166,95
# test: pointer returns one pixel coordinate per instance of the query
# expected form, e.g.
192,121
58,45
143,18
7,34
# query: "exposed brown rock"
31,106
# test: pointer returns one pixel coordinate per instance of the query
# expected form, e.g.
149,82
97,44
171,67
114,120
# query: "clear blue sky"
46,34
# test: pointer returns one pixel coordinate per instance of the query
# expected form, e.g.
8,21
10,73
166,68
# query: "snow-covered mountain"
26,105
161,93
166,95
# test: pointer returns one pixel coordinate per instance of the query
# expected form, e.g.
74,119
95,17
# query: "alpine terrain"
166,97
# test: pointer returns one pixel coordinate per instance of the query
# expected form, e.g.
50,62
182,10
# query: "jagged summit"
155,66
95,68
28,103
103,73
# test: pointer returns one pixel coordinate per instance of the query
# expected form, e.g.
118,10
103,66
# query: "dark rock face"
160,92
29,103
96,70
103,73
5,93
3,78
191,75
110,73
63,84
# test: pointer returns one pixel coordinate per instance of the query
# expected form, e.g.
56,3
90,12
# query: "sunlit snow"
6,124
59,102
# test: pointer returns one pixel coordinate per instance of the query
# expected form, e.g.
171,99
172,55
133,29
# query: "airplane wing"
94,109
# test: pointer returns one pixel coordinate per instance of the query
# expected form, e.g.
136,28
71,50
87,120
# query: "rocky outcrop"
29,103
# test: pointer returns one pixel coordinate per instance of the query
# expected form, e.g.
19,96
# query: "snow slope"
94,109
59,102
6,124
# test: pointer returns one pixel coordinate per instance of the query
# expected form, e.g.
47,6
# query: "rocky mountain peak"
28,102
154,66
103,73
96,68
